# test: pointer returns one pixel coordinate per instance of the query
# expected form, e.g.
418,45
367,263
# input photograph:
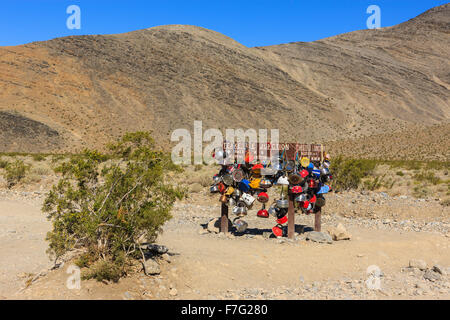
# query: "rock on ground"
439,269
431,275
417,263
320,237
339,233
151,267
173,292
156,248
166,257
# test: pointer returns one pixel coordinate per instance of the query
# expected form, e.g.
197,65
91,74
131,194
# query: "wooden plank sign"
312,151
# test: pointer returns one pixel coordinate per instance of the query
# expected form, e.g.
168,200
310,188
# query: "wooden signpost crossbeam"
291,151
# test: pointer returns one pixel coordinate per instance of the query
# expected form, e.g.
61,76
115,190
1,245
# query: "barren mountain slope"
92,88
162,78
400,72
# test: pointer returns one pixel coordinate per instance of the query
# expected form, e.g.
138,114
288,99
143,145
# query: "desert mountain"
78,91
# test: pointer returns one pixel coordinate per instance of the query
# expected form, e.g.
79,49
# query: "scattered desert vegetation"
405,147
420,179
109,205
15,172
21,171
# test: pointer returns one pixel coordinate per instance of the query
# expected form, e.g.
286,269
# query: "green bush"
405,164
347,173
373,183
15,172
57,157
104,270
415,164
3,163
110,208
83,261
420,191
389,183
38,157
41,171
427,177
445,202
437,165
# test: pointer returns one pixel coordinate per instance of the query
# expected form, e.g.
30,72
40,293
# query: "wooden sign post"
318,220
290,151
224,218
291,217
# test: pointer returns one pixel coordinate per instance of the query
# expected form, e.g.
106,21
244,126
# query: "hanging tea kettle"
240,209
263,197
240,225
238,175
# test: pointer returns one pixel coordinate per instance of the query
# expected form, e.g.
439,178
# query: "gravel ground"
302,269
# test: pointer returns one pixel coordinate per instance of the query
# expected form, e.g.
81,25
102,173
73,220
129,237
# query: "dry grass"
406,148
418,179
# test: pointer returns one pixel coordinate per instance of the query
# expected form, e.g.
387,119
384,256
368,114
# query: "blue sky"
251,22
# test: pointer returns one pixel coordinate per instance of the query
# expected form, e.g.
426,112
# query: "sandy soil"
22,247
206,265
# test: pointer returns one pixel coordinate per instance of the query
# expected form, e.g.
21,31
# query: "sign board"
312,151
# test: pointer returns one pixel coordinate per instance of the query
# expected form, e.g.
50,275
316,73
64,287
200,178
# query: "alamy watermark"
238,146
374,21
74,280
74,20
373,282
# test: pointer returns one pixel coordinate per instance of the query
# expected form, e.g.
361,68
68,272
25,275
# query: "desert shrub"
400,173
104,270
405,164
15,172
445,202
3,163
110,209
35,174
373,183
420,191
41,171
416,165
32,178
56,158
437,165
347,173
38,157
427,177
83,261
389,183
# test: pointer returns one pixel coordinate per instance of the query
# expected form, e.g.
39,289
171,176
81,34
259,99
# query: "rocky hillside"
415,143
84,90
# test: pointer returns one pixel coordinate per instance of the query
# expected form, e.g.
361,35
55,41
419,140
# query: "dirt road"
22,247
